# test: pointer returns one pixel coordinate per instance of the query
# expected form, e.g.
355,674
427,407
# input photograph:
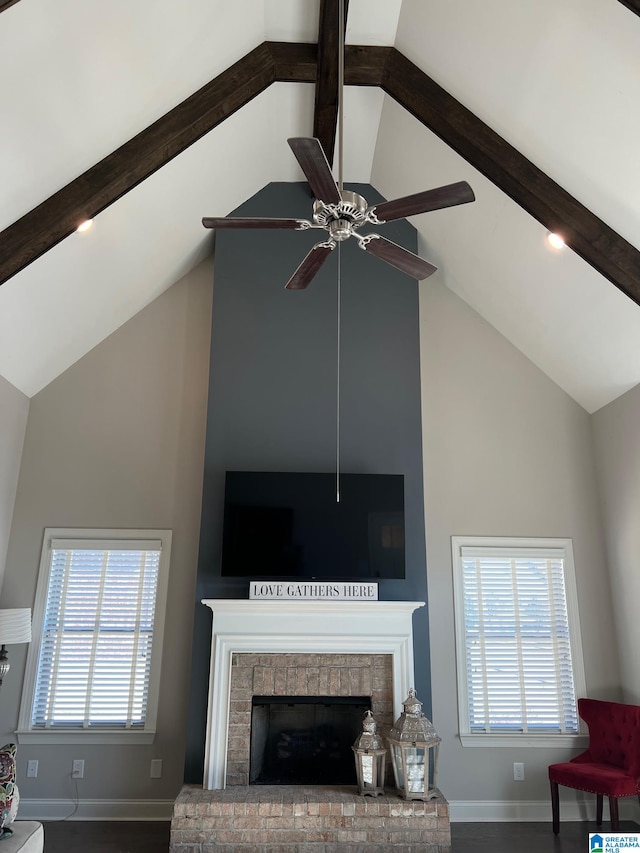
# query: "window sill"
86,736
580,741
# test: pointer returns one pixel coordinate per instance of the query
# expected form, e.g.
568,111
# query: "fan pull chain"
339,288
340,88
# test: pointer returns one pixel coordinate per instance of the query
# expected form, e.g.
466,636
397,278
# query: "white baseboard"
95,810
513,811
461,811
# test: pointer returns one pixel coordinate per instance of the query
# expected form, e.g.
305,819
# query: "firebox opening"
305,740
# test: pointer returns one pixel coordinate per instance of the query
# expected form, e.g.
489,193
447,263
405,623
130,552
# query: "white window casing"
93,666
519,657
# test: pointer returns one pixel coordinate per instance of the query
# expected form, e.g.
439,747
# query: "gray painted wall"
14,408
272,402
616,430
118,441
506,453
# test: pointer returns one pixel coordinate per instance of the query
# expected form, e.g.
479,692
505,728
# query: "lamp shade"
15,626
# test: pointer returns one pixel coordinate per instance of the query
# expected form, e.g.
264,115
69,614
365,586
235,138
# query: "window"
519,658
94,664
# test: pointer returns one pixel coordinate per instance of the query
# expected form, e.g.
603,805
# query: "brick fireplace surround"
302,648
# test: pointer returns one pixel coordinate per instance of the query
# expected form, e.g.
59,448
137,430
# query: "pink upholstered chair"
611,765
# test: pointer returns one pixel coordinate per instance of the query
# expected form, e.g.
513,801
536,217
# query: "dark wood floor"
527,837
153,837
83,836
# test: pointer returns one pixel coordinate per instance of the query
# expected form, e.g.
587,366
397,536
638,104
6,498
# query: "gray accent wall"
272,395
14,409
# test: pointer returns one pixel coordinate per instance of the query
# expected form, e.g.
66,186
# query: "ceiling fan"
342,213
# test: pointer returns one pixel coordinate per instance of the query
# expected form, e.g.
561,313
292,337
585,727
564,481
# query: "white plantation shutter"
515,660
100,627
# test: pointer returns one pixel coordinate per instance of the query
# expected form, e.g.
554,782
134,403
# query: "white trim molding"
527,740
477,678
315,627
581,808
118,736
65,809
99,539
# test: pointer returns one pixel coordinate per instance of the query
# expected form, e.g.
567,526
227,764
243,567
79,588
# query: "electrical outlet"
156,768
77,769
32,768
518,771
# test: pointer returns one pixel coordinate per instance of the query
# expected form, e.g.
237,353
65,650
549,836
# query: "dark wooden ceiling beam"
588,236
59,216
4,4
634,5
528,186
365,65
325,113
56,218
293,62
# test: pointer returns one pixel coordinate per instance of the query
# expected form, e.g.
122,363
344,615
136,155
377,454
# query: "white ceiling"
558,81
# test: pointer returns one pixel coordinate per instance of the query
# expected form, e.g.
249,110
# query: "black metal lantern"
371,755
414,752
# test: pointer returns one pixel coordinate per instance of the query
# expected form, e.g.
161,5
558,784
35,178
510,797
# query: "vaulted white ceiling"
557,81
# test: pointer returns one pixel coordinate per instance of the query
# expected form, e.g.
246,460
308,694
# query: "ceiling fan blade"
436,199
310,265
398,257
313,162
240,222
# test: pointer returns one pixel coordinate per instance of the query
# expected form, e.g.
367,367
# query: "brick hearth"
283,819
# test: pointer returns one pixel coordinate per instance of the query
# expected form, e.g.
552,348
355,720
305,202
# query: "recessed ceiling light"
85,226
555,240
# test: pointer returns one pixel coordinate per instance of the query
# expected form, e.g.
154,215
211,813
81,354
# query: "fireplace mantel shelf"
280,606
315,627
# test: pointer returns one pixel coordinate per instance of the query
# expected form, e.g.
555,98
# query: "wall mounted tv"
289,525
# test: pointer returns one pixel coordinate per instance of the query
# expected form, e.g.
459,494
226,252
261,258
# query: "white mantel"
320,627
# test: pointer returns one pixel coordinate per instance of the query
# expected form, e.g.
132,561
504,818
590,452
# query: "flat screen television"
289,525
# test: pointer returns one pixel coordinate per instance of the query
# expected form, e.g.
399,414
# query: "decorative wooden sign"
314,590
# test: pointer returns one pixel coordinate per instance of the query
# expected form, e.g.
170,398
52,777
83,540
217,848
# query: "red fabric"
614,733
596,778
611,765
